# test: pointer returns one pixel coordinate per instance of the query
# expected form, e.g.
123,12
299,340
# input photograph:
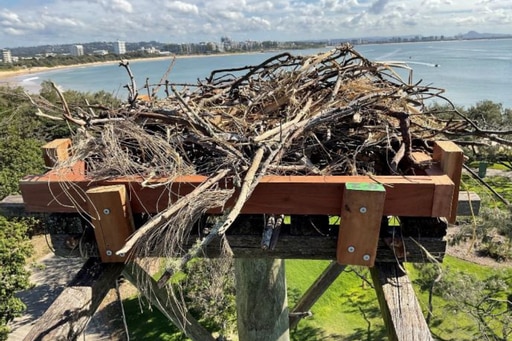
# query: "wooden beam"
166,303
55,151
315,291
450,158
468,204
317,247
361,216
109,209
69,314
398,303
405,195
261,300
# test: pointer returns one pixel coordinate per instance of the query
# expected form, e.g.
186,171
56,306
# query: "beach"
12,77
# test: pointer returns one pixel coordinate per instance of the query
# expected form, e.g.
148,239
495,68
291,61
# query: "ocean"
469,71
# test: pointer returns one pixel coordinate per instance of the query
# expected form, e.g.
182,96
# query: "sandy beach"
12,77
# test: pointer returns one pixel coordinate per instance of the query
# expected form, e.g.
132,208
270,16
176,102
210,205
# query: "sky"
42,22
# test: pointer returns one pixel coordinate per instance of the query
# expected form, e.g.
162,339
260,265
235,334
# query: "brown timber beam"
422,196
69,314
398,303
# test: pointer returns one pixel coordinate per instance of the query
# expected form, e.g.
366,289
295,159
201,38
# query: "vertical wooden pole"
450,157
261,299
112,218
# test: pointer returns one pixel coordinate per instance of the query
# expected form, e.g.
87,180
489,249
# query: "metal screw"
109,253
106,211
362,210
366,258
121,254
351,249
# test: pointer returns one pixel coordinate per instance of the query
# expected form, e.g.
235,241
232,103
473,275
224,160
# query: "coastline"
10,77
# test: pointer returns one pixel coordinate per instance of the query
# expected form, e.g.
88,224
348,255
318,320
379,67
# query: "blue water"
469,71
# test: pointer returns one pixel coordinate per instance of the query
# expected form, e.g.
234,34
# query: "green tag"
365,186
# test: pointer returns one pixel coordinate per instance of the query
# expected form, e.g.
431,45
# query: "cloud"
62,21
183,7
378,6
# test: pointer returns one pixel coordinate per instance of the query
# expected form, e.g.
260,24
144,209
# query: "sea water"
468,71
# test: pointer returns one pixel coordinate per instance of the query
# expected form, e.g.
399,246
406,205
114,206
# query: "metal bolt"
366,258
351,249
109,252
121,254
106,211
362,210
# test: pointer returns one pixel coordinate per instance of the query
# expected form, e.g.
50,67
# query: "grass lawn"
347,311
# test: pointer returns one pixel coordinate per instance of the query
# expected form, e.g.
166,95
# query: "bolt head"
109,252
106,211
366,258
362,210
351,249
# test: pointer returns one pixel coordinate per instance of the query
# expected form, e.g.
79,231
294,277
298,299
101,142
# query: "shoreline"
10,77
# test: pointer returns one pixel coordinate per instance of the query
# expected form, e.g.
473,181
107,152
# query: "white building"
77,50
6,56
120,47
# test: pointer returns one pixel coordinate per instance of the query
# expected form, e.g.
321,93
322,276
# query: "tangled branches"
334,113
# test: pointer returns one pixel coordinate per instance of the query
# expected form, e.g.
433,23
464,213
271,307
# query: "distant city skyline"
41,22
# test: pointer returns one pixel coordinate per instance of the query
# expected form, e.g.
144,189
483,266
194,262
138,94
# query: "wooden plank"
69,314
361,216
315,291
112,219
261,300
451,159
166,303
398,303
55,151
468,204
405,195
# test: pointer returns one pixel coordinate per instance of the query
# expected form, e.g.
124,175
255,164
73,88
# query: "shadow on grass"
308,333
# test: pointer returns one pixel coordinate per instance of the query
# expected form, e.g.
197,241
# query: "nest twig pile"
334,113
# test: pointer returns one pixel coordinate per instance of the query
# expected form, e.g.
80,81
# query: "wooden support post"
398,303
55,151
261,300
315,291
166,303
451,159
110,210
69,314
361,216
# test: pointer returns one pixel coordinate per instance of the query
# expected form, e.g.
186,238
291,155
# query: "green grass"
340,313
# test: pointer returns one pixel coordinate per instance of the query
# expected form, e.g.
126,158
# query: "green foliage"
15,247
210,292
473,296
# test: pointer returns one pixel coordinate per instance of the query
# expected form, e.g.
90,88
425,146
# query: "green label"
365,186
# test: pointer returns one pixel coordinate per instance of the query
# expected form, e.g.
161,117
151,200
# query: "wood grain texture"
399,306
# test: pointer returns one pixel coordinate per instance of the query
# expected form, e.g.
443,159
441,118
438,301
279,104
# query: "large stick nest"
334,113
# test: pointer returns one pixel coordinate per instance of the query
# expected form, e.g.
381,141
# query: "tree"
14,248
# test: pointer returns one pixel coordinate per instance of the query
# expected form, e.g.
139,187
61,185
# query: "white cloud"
183,7
205,20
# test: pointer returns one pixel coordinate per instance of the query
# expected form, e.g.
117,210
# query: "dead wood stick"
249,183
164,215
194,116
67,113
285,125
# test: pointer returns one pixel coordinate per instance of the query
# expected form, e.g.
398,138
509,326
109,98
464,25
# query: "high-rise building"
6,56
77,50
120,47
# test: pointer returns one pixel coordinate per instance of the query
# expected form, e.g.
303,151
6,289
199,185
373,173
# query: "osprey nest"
334,113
